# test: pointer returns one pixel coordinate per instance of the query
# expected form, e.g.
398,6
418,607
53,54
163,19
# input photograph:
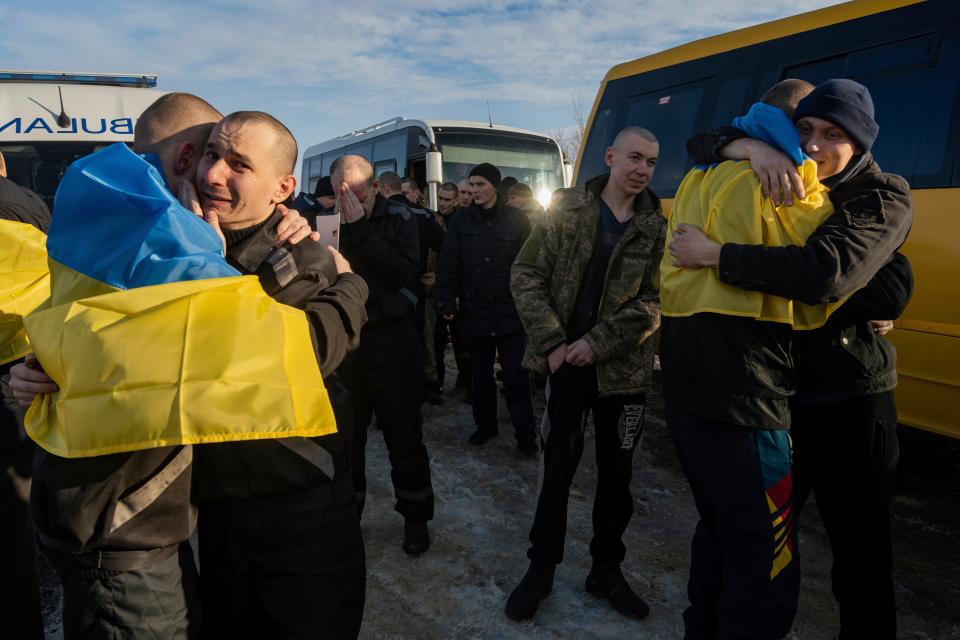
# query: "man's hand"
580,354
348,206
692,249
556,357
429,279
343,265
293,227
881,327
779,178
28,379
448,316
190,201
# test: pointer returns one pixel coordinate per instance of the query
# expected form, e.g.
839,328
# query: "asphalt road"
485,501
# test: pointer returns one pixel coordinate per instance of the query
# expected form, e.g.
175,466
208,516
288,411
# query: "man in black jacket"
473,286
843,415
380,239
19,593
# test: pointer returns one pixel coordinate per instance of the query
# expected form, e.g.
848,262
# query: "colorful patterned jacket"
548,273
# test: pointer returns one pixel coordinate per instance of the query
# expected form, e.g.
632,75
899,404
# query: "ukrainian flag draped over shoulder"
153,339
725,200
24,283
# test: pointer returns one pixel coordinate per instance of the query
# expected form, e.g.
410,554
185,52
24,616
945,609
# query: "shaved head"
174,118
391,181
633,131
284,150
356,172
787,94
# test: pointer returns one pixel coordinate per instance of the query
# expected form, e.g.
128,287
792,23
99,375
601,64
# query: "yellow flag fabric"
190,362
725,201
24,283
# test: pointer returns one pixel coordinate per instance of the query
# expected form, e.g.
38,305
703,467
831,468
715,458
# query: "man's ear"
608,156
185,162
285,188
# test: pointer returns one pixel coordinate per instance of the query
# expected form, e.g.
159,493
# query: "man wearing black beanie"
473,285
843,416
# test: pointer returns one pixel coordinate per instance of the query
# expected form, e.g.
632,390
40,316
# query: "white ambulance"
49,119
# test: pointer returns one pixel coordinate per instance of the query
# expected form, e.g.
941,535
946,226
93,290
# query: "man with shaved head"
590,325
380,238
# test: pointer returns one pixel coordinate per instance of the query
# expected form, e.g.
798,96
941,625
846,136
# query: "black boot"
535,586
416,538
606,581
484,434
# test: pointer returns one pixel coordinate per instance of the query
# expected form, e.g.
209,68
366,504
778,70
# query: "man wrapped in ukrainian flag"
157,341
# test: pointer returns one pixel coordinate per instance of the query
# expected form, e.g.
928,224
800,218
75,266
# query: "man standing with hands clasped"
586,286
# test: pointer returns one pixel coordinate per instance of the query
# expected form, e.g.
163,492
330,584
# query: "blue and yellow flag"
725,201
153,339
24,283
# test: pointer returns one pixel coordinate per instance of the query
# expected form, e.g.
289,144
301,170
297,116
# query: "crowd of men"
571,296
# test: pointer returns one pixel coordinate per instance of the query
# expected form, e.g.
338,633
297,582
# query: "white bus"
401,146
49,119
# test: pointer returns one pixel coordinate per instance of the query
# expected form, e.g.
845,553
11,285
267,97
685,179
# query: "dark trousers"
292,567
618,422
461,354
156,601
387,380
847,453
744,573
516,383
19,593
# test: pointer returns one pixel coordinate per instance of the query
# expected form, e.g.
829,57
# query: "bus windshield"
535,163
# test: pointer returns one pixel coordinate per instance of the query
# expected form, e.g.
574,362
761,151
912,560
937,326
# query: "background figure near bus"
473,287
380,239
843,416
430,237
586,284
448,199
19,590
411,191
466,193
520,196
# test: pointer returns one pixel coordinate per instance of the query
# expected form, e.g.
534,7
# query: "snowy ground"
485,501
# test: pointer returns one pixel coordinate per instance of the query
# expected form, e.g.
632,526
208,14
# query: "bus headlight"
543,197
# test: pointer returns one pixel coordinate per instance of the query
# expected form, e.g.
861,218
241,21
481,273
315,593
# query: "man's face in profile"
518,202
446,201
238,177
410,192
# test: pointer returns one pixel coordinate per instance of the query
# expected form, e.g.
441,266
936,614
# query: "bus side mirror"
434,166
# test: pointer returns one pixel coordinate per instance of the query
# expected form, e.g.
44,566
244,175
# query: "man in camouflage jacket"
586,288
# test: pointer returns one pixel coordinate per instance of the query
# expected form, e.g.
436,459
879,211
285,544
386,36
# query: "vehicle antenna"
489,115
63,120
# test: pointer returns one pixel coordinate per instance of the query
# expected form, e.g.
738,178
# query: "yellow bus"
907,52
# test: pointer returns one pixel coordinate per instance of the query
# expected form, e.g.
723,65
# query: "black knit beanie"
846,104
488,172
324,187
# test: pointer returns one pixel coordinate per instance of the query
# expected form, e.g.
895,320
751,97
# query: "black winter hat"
846,104
324,188
488,172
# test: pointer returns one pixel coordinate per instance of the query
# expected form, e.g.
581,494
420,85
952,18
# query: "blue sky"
325,68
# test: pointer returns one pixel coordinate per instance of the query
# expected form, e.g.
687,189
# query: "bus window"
671,114
382,166
536,163
391,148
911,84
327,160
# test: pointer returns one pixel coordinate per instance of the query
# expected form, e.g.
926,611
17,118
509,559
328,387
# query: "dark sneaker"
481,436
606,581
416,538
535,586
528,447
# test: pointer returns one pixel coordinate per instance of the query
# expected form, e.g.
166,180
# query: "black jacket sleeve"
886,295
395,260
449,267
869,223
704,147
